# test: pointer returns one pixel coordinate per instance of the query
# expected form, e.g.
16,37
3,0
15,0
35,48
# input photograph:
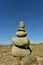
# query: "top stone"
21,24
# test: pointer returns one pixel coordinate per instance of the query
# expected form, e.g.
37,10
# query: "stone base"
18,52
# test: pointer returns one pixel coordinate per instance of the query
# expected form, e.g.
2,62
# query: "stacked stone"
21,43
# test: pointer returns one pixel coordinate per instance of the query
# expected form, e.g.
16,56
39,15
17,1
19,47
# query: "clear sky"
13,11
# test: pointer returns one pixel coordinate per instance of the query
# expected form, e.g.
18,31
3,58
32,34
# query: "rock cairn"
21,43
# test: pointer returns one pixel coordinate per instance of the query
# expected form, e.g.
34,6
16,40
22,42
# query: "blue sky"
13,11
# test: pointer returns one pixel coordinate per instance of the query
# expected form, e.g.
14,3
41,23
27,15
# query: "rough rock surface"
20,41
18,52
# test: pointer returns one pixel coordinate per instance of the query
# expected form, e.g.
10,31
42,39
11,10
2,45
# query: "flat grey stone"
21,34
21,29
